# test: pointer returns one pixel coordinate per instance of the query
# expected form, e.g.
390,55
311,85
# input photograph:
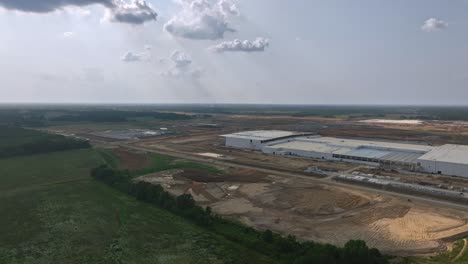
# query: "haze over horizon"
234,51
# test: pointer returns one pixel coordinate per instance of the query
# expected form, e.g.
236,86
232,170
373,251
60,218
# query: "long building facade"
446,159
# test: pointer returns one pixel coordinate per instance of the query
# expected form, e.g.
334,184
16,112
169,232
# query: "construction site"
336,180
447,159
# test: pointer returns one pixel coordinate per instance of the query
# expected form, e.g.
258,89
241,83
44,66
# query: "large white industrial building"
446,159
258,139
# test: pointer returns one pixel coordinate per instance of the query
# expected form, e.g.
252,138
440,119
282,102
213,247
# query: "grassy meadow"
53,212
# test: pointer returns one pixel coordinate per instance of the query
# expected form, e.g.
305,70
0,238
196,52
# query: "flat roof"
393,151
311,146
356,143
397,152
448,153
262,134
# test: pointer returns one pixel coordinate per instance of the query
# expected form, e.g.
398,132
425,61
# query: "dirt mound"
314,200
384,212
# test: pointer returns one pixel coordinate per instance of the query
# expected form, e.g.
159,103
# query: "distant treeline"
16,141
20,118
39,118
42,116
285,249
357,111
116,116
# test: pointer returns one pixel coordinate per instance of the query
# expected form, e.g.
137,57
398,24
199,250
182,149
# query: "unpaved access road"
328,181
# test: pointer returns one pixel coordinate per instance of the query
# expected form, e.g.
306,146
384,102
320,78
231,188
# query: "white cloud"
144,56
228,7
202,19
257,45
180,59
124,11
131,57
182,67
76,10
83,12
433,24
68,34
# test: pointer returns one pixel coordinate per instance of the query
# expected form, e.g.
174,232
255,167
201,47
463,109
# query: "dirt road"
327,181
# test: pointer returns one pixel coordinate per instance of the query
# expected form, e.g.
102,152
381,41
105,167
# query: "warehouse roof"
311,146
390,151
355,143
448,153
263,134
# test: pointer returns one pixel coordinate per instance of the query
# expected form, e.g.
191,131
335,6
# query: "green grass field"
12,136
53,212
162,162
158,163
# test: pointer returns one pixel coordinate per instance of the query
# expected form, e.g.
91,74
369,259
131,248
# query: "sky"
234,51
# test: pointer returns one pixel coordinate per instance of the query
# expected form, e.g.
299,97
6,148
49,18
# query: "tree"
267,236
185,201
356,252
208,210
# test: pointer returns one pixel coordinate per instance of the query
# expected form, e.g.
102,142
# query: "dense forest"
286,249
116,116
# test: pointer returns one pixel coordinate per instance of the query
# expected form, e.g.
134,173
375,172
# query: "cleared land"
319,212
307,208
54,213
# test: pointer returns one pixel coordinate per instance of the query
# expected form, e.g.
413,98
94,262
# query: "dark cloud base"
135,12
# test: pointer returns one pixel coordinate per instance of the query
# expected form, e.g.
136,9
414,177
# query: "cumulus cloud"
136,12
202,19
257,45
182,67
433,24
180,59
131,12
228,7
143,56
131,57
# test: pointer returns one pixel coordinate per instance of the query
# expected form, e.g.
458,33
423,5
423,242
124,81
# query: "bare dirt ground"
132,161
319,212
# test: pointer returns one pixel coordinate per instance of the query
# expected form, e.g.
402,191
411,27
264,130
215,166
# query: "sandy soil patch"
418,226
235,206
210,155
